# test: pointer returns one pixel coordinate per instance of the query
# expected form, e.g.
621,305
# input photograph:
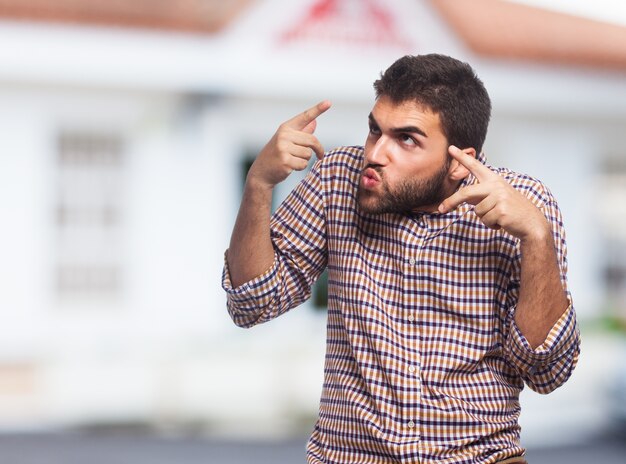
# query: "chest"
397,263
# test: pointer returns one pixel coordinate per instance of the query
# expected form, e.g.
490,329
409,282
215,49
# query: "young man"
447,278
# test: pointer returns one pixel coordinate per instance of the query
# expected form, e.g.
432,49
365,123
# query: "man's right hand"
290,149
251,251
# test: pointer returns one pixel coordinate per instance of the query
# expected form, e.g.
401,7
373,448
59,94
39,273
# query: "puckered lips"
370,179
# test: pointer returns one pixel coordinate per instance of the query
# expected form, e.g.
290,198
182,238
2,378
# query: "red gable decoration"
355,22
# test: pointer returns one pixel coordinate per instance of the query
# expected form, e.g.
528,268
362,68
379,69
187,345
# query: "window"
88,214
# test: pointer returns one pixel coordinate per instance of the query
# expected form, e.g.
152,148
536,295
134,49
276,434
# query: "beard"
408,196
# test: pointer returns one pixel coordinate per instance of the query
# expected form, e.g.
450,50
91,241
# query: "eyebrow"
400,130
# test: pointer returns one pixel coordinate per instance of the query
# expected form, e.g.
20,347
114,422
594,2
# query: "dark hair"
448,87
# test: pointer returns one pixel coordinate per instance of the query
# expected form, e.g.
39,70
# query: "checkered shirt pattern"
424,362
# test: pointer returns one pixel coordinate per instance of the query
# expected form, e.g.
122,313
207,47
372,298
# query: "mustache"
375,167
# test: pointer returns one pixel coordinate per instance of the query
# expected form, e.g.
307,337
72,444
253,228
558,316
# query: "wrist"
256,184
538,234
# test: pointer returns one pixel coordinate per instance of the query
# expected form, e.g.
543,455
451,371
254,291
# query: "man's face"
406,160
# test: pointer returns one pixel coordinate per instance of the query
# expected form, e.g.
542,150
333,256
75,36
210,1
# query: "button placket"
413,245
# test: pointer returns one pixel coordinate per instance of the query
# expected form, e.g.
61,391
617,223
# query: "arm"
271,263
549,365
542,298
542,341
251,252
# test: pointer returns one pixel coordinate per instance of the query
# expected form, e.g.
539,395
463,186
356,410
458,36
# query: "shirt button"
412,369
411,319
411,424
412,261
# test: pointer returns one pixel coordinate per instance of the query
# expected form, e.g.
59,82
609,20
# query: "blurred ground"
129,449
580,423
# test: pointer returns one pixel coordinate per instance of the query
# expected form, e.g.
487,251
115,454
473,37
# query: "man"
446,278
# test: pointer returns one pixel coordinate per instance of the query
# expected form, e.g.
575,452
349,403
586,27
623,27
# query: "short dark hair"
448,87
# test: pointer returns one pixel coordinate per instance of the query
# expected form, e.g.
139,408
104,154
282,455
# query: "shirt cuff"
557,342
254,294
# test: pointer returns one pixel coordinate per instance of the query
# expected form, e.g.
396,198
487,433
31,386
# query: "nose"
378,152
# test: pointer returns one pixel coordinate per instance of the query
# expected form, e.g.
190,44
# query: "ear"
457,171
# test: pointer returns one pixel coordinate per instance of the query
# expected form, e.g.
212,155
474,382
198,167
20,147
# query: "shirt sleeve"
298,233
549,365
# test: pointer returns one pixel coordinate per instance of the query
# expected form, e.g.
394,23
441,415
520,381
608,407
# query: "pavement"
80,448
584,422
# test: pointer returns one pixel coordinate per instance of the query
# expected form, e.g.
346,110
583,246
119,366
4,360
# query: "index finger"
479,170
304,119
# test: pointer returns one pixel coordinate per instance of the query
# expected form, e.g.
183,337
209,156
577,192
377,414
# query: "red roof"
493,28
504,29
195,16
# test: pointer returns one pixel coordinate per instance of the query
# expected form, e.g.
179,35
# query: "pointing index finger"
472,194
306,117
479,170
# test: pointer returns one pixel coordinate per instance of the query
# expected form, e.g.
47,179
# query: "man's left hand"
497,204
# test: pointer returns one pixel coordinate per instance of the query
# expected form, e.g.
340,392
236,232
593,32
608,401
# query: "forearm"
250,252
542,299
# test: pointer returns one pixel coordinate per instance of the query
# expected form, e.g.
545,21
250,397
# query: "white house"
126,132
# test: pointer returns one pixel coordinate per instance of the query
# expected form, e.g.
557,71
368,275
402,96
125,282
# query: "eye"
407,139
374,130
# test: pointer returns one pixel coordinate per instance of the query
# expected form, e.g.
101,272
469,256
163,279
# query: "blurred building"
127,129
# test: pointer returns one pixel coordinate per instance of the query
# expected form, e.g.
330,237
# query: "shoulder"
341,164
346,157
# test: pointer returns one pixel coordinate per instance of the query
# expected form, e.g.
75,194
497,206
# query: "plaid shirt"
424,361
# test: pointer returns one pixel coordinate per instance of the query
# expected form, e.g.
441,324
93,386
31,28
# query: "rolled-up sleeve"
298,236
246,302
549,365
